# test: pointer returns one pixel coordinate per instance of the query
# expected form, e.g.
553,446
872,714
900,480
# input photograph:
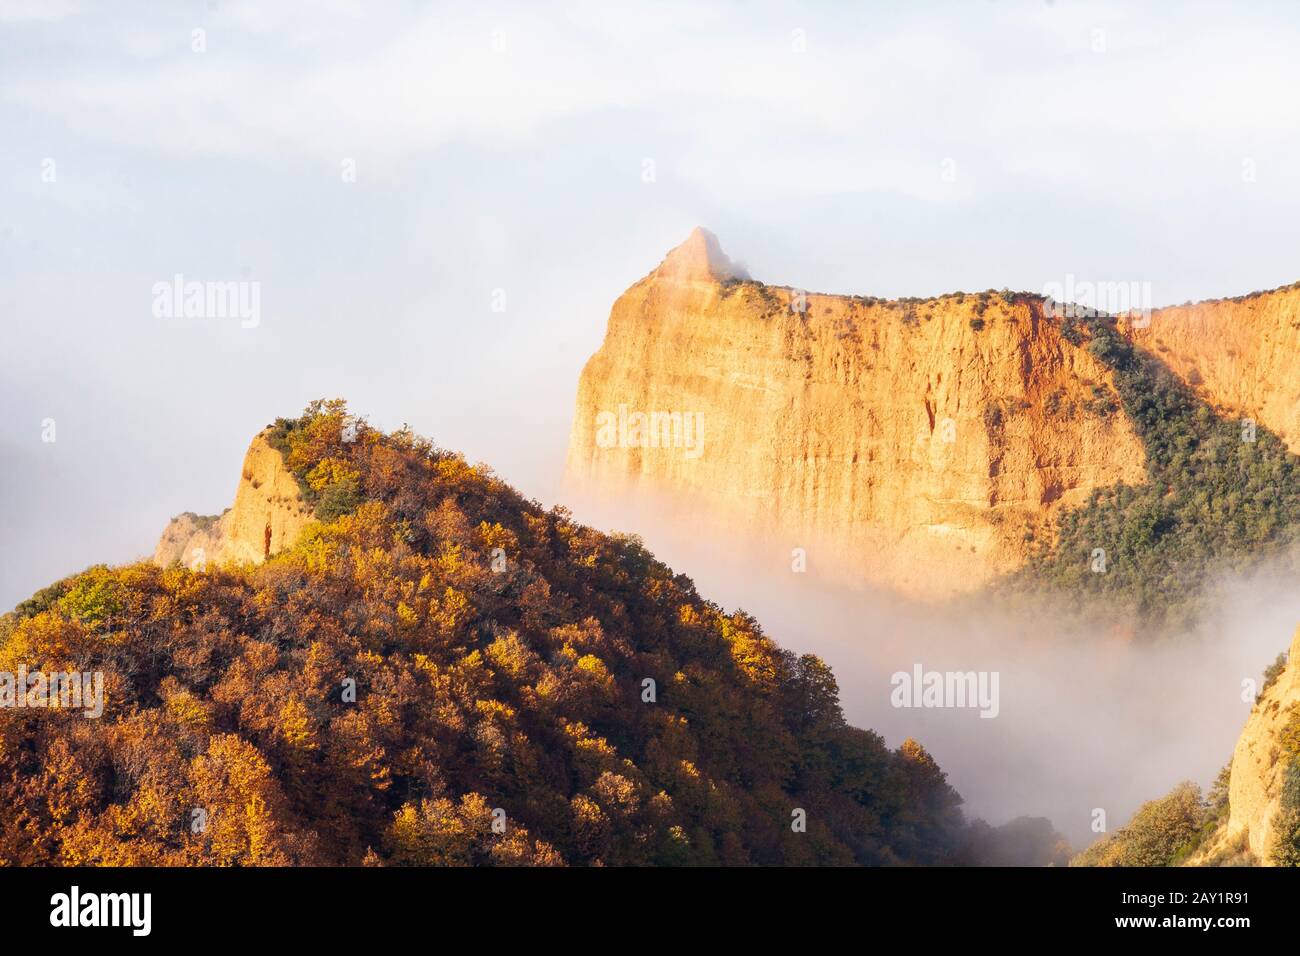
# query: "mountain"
941,446
921,439
432,669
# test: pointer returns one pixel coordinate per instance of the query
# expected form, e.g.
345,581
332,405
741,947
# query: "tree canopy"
439,672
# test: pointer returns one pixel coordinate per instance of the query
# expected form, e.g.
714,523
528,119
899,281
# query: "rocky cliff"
267,516
1247,833
1242,354
1260,759
925,443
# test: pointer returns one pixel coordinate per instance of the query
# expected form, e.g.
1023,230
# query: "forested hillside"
439,672
1221,494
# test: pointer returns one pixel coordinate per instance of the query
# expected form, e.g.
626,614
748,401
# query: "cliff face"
919,441
1241,355
267,516
1258,764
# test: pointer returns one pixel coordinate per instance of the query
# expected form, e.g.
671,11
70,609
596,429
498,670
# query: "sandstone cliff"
1258,764
267,516
921,443
1268,742
1242,355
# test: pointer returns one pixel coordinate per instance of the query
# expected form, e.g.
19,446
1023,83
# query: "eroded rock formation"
924,443
267,516
1259,760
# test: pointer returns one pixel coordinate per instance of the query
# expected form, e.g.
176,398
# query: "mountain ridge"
891,429
439,671
931,446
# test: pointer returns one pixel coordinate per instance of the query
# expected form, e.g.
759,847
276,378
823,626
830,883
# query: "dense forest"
442,672
1221,494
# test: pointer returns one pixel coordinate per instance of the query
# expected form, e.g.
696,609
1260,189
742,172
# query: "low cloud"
1086,720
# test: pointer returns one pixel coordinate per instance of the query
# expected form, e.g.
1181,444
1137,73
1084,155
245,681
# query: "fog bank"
1085,720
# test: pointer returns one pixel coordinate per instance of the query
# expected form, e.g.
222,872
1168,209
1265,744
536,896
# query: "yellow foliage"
233,784
182,584
752,653
184,708
496,536
296,725
495,710
453,610
591,664
406,616
511,656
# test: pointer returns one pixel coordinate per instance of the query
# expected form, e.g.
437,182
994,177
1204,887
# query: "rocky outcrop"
1259,760
189,538
1242,355
925,443
268,515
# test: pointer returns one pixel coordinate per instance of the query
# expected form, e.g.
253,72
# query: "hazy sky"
555,153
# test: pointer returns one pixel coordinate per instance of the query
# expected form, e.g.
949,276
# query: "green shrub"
1274,671
93,598
1285,848
1161,833
44,599
338,499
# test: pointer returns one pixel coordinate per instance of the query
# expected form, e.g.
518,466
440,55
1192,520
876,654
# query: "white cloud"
893,94
45,11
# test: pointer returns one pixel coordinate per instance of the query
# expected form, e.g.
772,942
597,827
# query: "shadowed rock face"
267,517
916,443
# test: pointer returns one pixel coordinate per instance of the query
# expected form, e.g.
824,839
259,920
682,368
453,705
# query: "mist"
1086,720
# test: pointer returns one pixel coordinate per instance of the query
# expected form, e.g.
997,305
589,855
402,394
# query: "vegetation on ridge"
1220,494
499,654
1162,832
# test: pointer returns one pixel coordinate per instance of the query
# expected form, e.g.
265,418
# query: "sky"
438,204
